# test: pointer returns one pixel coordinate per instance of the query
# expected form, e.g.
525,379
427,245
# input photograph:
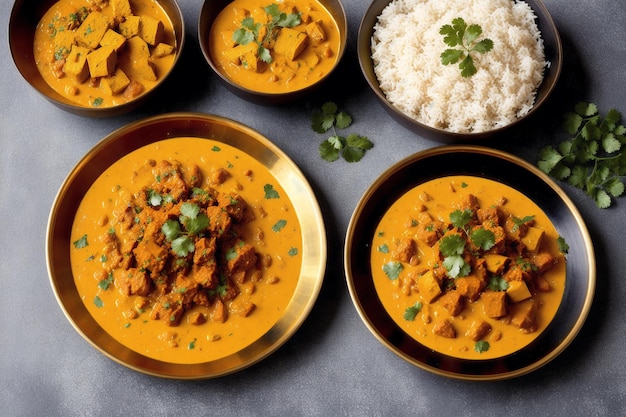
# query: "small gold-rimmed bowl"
208,14
25,18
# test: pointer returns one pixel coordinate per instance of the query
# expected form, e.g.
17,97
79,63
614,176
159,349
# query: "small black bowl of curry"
96,59
272,53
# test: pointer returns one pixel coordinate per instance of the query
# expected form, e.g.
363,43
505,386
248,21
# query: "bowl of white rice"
401,44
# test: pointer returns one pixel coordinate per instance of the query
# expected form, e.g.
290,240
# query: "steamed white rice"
406,49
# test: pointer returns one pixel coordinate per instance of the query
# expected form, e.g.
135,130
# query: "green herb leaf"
592,159
249,31
411,312
497,283
461,218
183,246
352,148
452,245
171,229
481,346
456,266
328,151
392,270
279,225
463,36
563,246
483,238
270,192
81,243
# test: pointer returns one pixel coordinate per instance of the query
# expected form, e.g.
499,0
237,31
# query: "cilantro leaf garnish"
464,36
270,192
192,221
481,346
563,246
279,225
81,243
461,218
517,222
497,283
352,148
483,238
452,248
251,31
392,269
591,159
411,312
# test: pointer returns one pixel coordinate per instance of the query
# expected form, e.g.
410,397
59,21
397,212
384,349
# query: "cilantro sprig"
459,34
453,246
264,33
352,147
592,159
192,221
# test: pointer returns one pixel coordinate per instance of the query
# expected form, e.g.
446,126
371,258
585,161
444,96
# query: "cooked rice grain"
406,49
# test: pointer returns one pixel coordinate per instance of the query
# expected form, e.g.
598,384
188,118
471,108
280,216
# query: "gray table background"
332,366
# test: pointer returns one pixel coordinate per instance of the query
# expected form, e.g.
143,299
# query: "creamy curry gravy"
284,73
189,343
439,198
49,48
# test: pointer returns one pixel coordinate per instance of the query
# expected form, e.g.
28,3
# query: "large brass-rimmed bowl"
148,131
509,170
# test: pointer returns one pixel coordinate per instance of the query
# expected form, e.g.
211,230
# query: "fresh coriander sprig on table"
352,147
262,34
460,34
591,159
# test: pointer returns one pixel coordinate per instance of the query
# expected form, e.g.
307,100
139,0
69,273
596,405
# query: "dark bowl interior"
553,53
208,13
25,16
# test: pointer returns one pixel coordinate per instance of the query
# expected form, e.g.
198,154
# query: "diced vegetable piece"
428,287
76,64
137,48
151,30
144,69
161,50
130,27
494,303
518,291
121,8
478,329
290,43
316,32
102,62
444,328
113,39
532,239
495,263
116,83
91,31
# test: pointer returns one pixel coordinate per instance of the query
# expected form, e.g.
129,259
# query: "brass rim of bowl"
545,88
22,27
590,273
205,21
154,129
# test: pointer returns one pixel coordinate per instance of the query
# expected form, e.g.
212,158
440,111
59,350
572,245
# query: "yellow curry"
103,53
186,250
274,47
468,267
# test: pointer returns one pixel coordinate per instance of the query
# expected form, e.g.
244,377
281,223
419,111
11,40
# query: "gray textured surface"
333,365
